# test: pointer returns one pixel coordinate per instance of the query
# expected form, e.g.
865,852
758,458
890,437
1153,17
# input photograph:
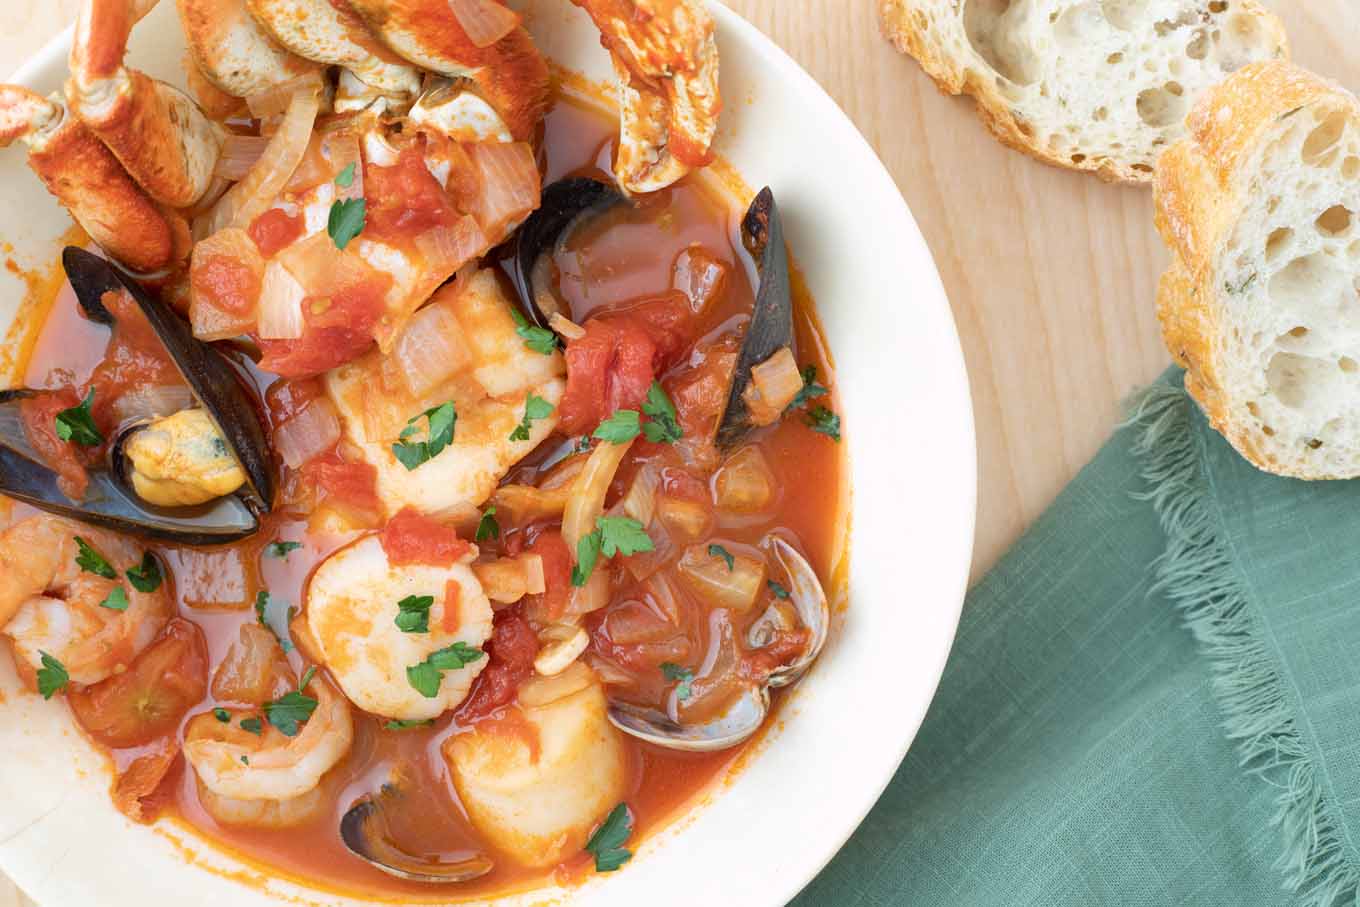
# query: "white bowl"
909,424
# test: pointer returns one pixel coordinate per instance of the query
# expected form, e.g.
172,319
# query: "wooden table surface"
1051,274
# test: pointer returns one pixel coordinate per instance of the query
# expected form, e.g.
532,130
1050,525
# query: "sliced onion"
328,155
535,583
253,669
209,314
745,483
281,298
152,402
712,580
774,385
275,100
484,21
587,495
309,434
239,154
321,268
510,185
683,517
640,500
431,349
565,326
249,198
509,579
446,249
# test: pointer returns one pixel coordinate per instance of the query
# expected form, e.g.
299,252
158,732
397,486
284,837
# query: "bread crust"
1198,193
908,28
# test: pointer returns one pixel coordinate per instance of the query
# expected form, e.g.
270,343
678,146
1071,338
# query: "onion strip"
309,434
586,503
240,153
484,21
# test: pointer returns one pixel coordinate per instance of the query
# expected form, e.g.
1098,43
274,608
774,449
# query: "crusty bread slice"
1261,208
1097,85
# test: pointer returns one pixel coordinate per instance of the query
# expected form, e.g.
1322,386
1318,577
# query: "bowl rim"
955,381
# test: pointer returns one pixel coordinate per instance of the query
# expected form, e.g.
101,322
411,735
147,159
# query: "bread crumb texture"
1095,85
1260,206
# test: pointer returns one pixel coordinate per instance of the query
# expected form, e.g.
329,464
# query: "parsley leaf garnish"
116,600
77,424
245,760
441,420
345,178
427,676
487,527
52,676
92,561
407,724
673,671
413,613
290,710
587,553
535,408
607,843
281,550
778,590
613,535
347,219
720,551
620,428
147,576
824,421
811,389
222,715
540,340
253,725
663,427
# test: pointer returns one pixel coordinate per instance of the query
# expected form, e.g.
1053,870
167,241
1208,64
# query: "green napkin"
1154,699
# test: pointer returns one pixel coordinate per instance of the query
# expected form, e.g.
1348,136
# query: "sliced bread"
1260,206
1097,85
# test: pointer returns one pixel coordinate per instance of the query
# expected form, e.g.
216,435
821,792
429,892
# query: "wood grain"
1051,274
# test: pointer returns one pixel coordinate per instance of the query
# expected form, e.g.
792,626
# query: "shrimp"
491,377
236,764
51,604
353,612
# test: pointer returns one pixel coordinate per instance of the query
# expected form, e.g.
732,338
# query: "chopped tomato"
511,652
453,606
614,364
138,792
147,700
276,230
285,399
39,415
786,646
355,484
338,329
700,393
552,549
225,283
134,359
410,537
405,199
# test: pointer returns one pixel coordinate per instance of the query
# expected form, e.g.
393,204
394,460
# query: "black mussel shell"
565,203
364,831
771,324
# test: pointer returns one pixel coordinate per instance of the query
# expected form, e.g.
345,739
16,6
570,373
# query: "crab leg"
161,137
510,74
667,58
329,32
232,50
90,182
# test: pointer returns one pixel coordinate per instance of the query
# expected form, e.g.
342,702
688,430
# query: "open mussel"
219,446
366,833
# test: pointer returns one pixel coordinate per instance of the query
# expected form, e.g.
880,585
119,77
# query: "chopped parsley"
52,676
606,845
245,760
620,428
427,676
535,408
116,600
77,424
673,671
720,551
306,678
779,591
222,715
345,178
253,725
613,535
811,389
147,576
288,711
347,219
413,613
540,340
92,561
281,550
824,421
487,527
663,426
441,421
263,601
407,724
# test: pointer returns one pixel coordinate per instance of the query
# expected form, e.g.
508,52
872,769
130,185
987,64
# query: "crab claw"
89,181
666,56
163,140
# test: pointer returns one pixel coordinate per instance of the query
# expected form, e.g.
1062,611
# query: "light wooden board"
1051,274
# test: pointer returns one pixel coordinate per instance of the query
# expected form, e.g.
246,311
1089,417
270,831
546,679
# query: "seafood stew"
505,565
